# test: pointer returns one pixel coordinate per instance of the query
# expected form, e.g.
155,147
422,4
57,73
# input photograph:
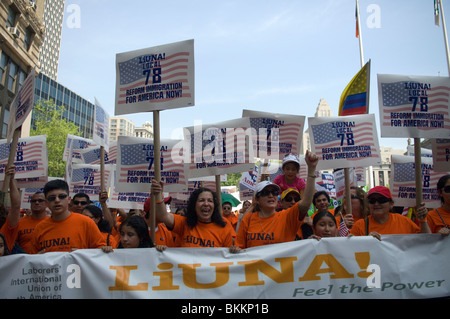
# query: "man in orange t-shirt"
382,222
229,215
64,231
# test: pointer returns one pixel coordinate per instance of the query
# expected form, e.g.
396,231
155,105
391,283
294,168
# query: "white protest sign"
441,154
345,141
87,179
414,106
77,143
30,158
101,126
219,148
403,185
275,135
22,104
135,159
156,78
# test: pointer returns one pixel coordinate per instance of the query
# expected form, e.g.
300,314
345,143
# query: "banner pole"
444,28
219,193
102,168
12,152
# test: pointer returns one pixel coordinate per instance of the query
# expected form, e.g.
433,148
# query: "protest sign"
156,78
344,142
136,169
441,154
86,179
275,135
331,268
414,106
22,104
216,149
403,179
30,157
77,143
101,126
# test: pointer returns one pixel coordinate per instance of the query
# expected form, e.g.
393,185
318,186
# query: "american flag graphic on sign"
101,126
86,178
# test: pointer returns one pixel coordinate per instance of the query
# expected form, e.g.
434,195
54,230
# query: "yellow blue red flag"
355,98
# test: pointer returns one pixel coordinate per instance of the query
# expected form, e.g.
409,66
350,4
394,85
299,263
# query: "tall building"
78,110
21,36
118,126
145,131
53,23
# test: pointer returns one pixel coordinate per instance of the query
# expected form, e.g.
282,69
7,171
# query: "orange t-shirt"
232,219
203,234
163,236
10,234
280,227
435,222
25,232
396,224
75,232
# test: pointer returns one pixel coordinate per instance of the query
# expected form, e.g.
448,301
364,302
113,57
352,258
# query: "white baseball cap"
291,158
261,185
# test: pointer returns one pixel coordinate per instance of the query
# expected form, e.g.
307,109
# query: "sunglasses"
290,198
52,198
381,200
226,208
37,200
266,192
446,189
77,202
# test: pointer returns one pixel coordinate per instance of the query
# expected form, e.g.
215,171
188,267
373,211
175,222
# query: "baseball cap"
147,203
293,158
382,190
261,185
289,190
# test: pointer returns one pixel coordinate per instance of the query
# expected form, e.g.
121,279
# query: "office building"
118,126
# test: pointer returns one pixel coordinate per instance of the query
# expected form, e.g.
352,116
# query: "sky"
280,57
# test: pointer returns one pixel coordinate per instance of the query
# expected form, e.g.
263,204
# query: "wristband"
158,202
424,220
312,176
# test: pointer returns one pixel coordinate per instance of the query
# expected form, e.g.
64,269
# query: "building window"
22,76
11,19
13,68
3,62
5,123
381,178
27,39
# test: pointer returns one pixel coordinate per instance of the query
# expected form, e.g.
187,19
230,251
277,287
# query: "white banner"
414,106
275,135
155,78
356,267
345,141
403,181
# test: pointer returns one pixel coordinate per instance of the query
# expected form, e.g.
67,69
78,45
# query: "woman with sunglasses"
359,206
266,225
382,222
439,218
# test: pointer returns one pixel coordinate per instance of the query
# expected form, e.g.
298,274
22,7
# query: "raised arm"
162,216
14,213
310,188
102,198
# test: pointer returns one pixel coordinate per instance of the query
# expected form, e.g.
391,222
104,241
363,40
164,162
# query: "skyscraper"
53,23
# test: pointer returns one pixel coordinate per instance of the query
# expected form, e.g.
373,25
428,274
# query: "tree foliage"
49,121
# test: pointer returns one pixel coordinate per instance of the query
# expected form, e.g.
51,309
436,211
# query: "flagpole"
444,28
361,54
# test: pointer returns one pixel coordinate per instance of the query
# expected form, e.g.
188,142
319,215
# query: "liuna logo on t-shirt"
55,242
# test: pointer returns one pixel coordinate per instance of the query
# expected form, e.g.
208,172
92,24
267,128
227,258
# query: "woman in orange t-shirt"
266,225
203,225
439,218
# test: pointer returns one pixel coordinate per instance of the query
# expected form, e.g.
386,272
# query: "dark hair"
82,195
56,184
323,213
441,184
102,224
319,193
141,228
191,215
7,252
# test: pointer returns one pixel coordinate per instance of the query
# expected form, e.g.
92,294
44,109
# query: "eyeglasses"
52,198
266,192
40,200
226,208
446,189
381,200
290,198
77,202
